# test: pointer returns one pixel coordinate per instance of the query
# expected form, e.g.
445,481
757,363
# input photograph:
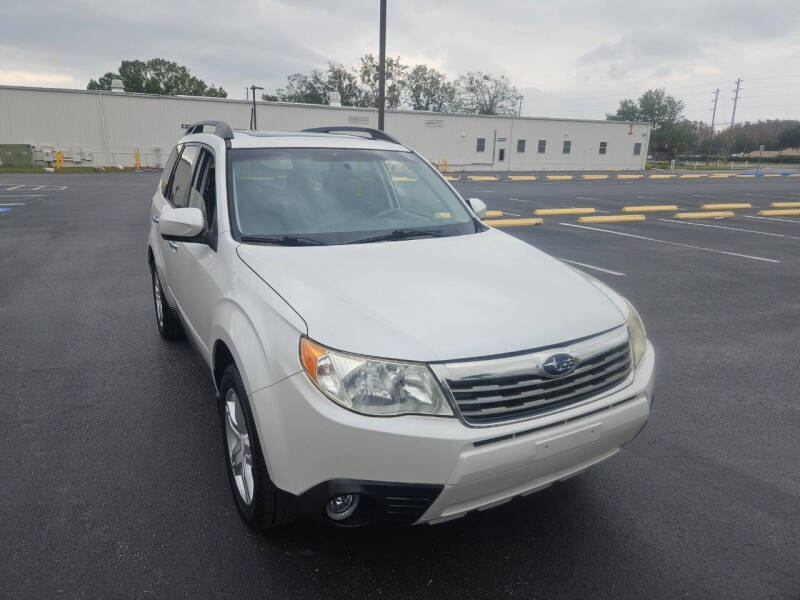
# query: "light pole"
253,121
382,67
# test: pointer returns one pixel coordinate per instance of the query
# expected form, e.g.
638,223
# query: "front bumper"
313,447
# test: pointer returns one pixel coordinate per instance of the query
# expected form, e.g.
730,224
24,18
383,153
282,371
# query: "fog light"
341,507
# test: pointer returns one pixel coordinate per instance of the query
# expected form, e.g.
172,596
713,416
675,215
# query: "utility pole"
253,119
713,119
382,67
735,100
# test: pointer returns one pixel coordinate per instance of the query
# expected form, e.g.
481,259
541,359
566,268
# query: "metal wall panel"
107,128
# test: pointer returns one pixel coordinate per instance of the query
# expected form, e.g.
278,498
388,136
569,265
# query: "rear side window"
181,180
173,156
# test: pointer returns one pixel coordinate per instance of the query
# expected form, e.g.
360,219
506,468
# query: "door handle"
173,245
155,218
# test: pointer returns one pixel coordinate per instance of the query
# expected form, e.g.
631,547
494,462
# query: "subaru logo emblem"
559,364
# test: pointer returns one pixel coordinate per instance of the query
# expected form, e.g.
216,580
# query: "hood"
434,299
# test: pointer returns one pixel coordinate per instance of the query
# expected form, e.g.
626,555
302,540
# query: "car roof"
246,138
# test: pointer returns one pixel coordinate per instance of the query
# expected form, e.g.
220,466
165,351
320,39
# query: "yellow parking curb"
493,213
794,212
722,175
650,208
513,222
785,205
611,219
692,175
743,175
482,177
726,206
722,214
595,176
564,211
629,176
559,177
772,175
661,176
450,178
522,177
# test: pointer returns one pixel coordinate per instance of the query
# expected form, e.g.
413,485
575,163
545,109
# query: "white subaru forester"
380,353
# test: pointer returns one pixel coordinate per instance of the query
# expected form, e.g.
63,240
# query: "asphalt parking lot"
113,479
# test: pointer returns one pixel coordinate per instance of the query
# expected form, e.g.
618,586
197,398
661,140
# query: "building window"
542,146
603,147
481,146
567,147
520,146
637,148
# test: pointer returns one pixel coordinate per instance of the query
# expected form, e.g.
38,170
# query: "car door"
191,264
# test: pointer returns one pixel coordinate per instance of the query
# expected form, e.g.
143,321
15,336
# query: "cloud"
30,78
578,57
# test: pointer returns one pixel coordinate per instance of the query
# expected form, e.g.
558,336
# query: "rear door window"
181,180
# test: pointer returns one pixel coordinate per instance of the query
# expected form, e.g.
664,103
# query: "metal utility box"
16,155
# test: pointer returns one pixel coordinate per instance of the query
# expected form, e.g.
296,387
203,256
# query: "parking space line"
780,235
612,219
12,204
651,208
564,211
795,221
601,269
690,246
23,196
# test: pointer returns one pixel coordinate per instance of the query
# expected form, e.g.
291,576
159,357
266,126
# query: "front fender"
262,333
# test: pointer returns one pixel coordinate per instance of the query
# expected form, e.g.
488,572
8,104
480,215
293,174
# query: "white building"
107,128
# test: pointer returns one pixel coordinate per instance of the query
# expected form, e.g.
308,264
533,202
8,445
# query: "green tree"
671,132
428,89
102,83
483,94
790,138
157,76
395,81
308,89
344,83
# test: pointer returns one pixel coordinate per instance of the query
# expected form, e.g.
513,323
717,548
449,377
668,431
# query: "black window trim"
180,147
524,145
480,147
211,238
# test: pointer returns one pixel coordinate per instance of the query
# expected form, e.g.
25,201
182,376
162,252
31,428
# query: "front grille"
485,400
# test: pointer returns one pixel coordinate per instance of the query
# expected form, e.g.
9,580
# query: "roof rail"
221,128
375,134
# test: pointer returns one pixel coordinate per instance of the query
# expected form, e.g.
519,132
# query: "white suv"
379,353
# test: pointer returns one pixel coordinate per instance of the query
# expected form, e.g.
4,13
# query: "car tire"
169,325
257,499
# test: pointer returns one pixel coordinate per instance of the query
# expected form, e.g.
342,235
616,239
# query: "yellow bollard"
136,157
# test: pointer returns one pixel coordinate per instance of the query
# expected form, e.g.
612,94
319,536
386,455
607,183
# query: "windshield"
334,196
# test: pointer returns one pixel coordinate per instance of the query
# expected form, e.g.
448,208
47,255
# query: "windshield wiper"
283,240
399,234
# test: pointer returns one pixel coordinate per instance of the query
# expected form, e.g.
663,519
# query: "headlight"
373,386
637,333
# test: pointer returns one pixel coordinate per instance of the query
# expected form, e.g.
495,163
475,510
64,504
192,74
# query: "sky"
569,58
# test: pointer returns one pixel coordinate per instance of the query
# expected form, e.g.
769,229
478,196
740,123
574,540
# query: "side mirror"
180,224
478,206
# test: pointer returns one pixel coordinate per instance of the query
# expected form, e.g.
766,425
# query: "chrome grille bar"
497,391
